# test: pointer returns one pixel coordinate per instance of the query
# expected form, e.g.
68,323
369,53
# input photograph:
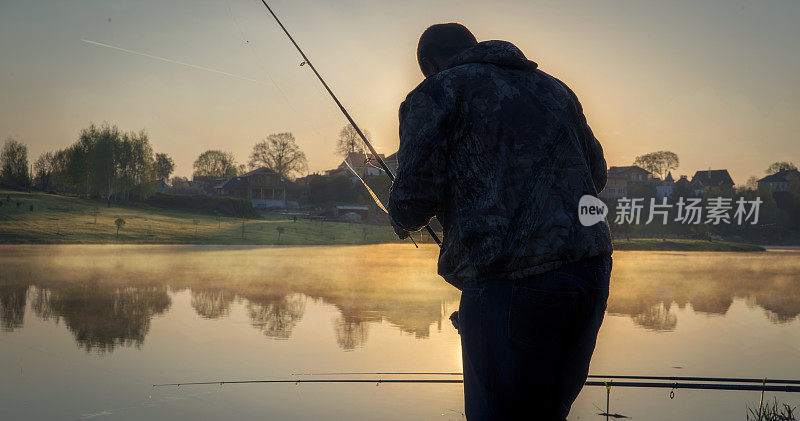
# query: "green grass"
656,244
63,219
771,411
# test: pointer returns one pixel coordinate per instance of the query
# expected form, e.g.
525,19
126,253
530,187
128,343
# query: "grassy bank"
63,219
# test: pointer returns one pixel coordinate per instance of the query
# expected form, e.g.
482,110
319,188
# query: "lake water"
85,331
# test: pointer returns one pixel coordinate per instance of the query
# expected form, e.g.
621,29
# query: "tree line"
105,162
278,152
110,163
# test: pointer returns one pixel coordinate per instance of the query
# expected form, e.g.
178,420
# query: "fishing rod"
658,385
372,150
382,373
594,376
374,196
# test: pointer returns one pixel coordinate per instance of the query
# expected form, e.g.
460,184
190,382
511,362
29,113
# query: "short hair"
444,40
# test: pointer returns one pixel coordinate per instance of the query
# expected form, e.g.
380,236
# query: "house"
666,187
621,179
199,185
683,187
391,162
263,187
779,181
703,180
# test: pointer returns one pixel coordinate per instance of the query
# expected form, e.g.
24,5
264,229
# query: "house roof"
619,171
258,170
242,183
241,180
781,176
712,178
682,180
669,178
235,183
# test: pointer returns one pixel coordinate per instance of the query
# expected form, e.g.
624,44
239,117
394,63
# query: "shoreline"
35,218
632,245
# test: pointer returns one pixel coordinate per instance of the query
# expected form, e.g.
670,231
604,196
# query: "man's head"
439,44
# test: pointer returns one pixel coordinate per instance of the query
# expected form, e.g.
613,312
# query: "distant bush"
213,205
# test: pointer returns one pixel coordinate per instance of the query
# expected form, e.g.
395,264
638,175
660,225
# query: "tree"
780,166
14,163
164,166
106,162
241,169
60,165
103,162
76,168
280,153
214,164
43,169
659,163
104,156
336,188
141,170
349,141
119,222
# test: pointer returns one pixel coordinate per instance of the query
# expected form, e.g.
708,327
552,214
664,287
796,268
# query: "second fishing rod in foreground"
607,384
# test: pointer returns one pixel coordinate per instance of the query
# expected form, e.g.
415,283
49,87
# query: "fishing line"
258,58
260,63
371,193
343,110
374,196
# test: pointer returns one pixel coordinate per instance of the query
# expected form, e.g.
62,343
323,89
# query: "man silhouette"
500,152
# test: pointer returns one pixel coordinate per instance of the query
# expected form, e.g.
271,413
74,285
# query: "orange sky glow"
714,81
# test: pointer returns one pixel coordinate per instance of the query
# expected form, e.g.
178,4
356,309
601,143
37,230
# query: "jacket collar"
499,53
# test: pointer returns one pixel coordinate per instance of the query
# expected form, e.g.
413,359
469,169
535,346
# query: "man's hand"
401,233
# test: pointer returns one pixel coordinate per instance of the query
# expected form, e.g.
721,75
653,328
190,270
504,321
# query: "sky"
715,81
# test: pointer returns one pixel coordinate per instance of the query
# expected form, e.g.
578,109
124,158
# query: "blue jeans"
526,344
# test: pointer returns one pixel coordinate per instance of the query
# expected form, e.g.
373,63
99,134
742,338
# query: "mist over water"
91,328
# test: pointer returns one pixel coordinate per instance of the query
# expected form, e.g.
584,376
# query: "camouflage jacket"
500,152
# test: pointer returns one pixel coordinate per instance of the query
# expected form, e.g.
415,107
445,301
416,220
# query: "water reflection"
275,314
212,303
646,285
656,317
102,317
106,296
351,331
13,300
